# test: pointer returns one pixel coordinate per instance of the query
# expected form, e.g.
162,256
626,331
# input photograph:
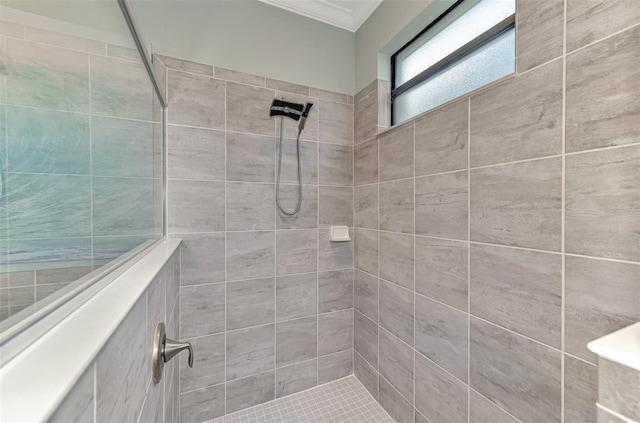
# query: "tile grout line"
413,405
225,248
563,215
468,245
377,368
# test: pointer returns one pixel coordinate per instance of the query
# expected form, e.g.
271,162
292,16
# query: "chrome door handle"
164,349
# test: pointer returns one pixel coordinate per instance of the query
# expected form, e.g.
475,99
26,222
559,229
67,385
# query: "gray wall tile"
334,255
287,86
250,255
365,250
250,158
235,76
439,396
250,303
335,332
57,201
296,251
120,88
366,162
366,338
123,370
335,366
48,141
394,403
336,122
518,204
482,410
196,100
396,311
249,206
530,390
78,405
336,165
307,217
185,65
296,378
308,161
335,290
397,206
442,205
580,391
208,363
202,310
250,391
331,96
619,388
250,351
396,258
202,258
366,294
396,154
335,206
518,119
442,336
365,116
296,341
153,408
196,206
602,202
589,21
366,374
121,206
519,290
396,363
69,69
371,87
365,201
605,73
442,271
540,31
201,405
247,108
196,153
296,296
600,297
442,138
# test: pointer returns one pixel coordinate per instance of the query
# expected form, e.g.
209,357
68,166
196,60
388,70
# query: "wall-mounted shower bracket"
164,349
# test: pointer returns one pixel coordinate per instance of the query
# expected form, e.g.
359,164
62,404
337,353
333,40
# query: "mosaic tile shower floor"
342,401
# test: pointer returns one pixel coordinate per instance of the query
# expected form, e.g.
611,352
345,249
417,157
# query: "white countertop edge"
622,346
33,384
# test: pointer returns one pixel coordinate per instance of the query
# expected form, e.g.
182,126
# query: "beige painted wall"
243,35
252,37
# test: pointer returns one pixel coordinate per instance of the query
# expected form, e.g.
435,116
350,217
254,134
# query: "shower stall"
151,204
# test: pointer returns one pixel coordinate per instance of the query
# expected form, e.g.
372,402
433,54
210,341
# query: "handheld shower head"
305,114
286,108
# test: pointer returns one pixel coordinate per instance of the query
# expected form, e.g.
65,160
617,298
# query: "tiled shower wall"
117,386
77,162
267,300
499,234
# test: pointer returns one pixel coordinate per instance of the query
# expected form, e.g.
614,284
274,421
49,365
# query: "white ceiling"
345,14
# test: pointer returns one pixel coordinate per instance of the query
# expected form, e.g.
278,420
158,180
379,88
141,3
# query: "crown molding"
330,13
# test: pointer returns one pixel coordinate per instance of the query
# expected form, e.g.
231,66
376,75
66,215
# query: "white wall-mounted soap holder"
339,233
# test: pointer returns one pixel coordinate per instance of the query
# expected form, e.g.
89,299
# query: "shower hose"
280,148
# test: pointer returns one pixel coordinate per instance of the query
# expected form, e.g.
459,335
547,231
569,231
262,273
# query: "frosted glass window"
469,46
486,64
